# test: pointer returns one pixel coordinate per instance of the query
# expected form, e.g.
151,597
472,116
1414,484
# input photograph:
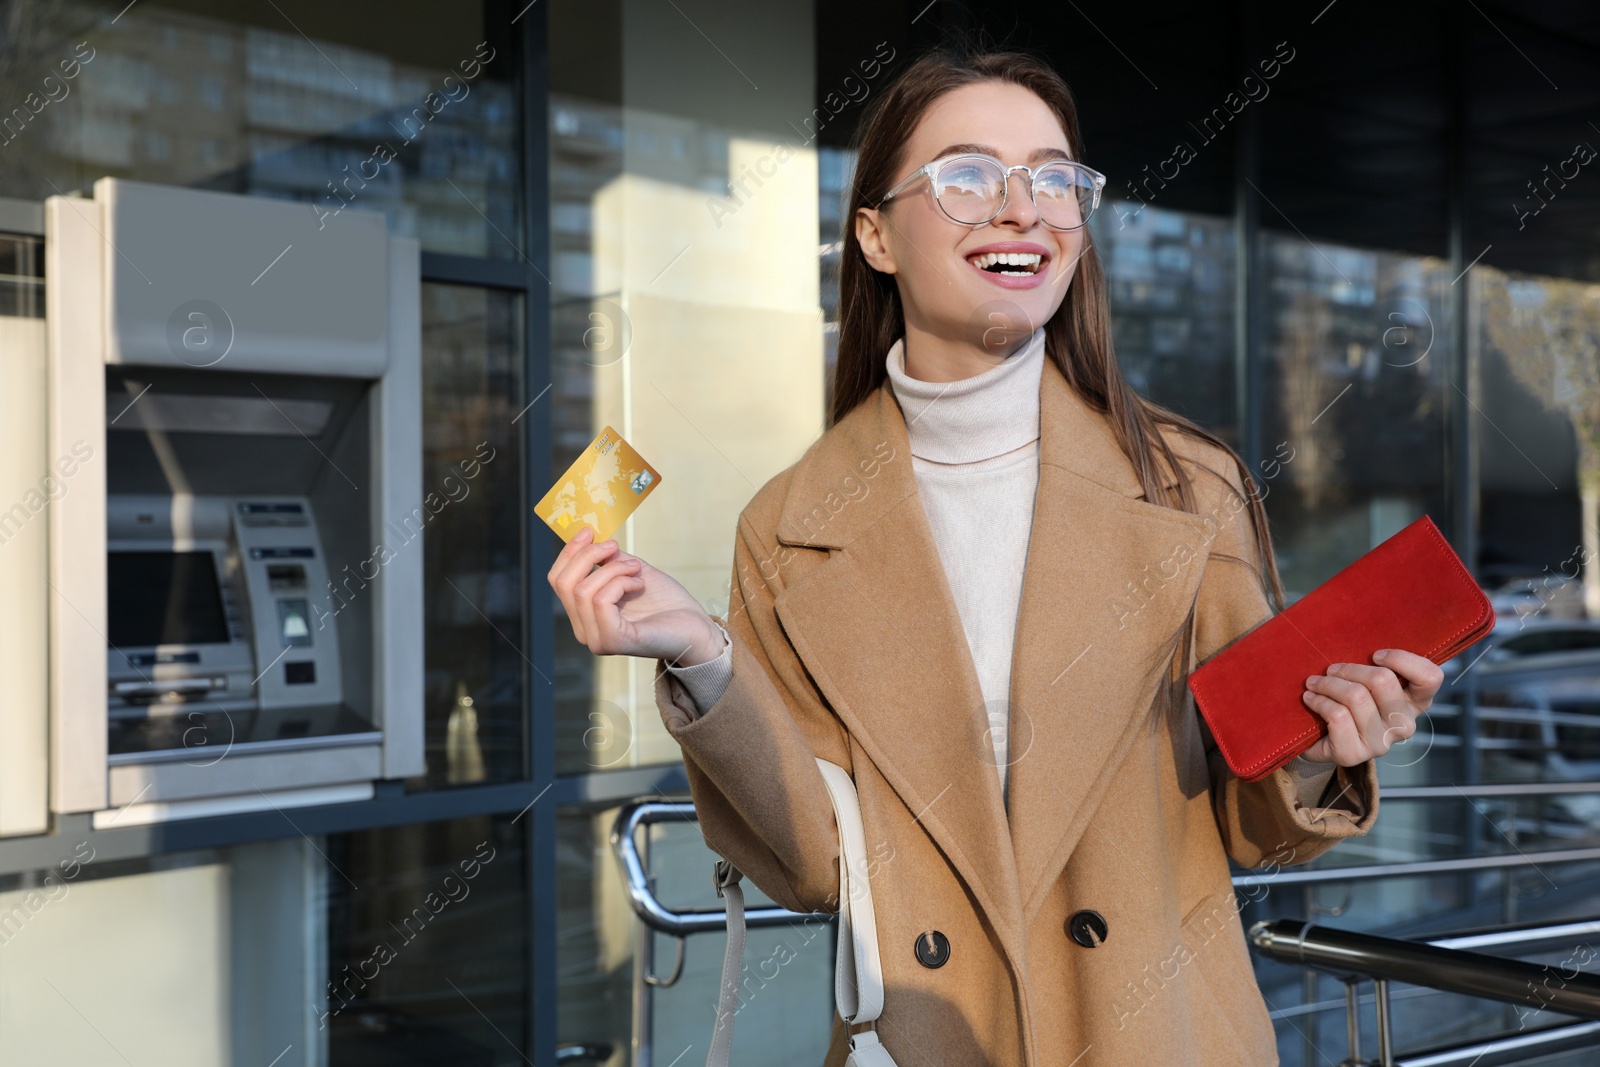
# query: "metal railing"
659,917
641,896
1512,1050
1316,947
1354,957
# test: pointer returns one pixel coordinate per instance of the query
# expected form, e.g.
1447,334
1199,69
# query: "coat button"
933,948
1087,927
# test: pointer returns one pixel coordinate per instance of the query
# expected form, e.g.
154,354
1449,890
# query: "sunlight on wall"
722,385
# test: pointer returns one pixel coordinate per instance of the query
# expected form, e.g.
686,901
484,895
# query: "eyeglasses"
972,190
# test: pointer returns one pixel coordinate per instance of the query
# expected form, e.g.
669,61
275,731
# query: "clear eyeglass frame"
931,170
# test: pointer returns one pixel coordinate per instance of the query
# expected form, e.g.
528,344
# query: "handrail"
661,918
1445,964
1367,872
1510,981
642,897
1528,937
1510,1050
1488,789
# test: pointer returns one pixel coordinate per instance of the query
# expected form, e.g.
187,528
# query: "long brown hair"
1077,336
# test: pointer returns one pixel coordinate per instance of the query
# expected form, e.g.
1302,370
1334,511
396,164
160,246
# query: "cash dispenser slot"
224,631
227,632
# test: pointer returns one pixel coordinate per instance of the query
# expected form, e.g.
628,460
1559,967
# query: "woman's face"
932,257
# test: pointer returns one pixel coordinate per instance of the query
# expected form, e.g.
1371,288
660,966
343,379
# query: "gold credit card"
600,490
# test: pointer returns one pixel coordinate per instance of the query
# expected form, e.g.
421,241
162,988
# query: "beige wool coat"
846,644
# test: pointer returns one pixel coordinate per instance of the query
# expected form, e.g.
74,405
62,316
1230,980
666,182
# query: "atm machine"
235,385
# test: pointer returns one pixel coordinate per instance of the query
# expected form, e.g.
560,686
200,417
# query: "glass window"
686,309
427,939
25,485
473,491
1353,401
1523,706
1354,388
294,99
405,944
1169,275
1538,344
21,276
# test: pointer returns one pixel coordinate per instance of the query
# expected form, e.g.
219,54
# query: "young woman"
981,592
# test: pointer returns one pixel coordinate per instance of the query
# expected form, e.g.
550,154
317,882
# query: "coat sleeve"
1288,817
751,755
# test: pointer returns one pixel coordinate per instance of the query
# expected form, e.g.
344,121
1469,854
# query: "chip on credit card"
600,490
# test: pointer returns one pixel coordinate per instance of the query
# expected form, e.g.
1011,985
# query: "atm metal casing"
288,441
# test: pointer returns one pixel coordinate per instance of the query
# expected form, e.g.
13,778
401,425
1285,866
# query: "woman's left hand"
1369,708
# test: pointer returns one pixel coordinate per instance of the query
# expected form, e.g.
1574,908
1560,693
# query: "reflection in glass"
427,945
1539,340
472,482
685,312
290,100
1354,377
836,168
1169,275
21,277
1361,392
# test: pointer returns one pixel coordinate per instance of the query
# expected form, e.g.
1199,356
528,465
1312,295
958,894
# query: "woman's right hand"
626,607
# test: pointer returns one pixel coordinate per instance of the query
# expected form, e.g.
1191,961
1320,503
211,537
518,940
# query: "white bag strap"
867,1051
858,970
725,878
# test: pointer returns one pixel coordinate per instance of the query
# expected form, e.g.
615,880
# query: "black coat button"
1087,927
933,948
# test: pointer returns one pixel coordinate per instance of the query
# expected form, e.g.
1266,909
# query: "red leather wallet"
1411,592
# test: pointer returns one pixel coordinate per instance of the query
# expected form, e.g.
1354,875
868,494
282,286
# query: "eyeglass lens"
971,191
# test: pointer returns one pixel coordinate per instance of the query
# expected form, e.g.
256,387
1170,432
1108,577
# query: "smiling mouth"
1012,264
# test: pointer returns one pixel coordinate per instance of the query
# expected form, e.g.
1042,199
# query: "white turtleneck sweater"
975,456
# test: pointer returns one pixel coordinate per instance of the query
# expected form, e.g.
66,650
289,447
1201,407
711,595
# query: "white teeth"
1028,261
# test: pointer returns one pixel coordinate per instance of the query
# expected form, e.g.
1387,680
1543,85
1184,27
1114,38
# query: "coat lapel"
877,627
1109,582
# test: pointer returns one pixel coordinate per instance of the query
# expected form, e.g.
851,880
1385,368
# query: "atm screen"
164,598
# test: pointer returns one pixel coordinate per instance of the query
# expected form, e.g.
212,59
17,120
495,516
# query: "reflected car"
1518,643
1536,691
1549,596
